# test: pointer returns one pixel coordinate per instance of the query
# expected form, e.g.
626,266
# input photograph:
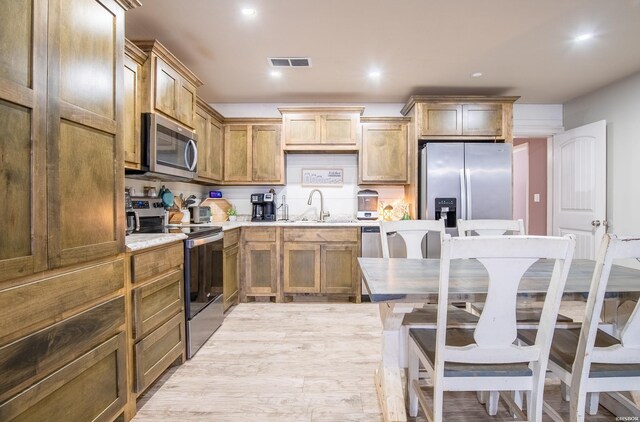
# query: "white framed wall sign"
322,177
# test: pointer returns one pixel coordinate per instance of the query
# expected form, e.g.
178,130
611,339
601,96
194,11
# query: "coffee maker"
264,208
367,205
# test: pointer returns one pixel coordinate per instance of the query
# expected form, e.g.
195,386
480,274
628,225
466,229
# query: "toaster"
200,215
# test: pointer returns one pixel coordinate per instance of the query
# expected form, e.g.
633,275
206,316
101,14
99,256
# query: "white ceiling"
523,47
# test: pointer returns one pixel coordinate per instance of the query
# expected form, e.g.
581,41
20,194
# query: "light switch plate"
536,197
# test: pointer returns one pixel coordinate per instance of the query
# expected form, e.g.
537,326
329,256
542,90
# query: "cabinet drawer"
92,387
262,234
150,264
231,237
343,234
32,358
156,302
157,351
35,305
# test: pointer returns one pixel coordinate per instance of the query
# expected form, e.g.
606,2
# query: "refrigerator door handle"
463,196
467,174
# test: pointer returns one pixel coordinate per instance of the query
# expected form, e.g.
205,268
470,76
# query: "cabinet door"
301,129
85,114
237,153
201,125
440,119
267,154
186,102
215,156
231,266
167,89
338,264
340,129
383,156
132,107
301,267
482,120
261,268
23,90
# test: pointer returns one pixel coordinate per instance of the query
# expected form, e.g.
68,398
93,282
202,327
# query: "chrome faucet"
322,213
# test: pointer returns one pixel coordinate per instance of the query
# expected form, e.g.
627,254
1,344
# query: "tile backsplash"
340,201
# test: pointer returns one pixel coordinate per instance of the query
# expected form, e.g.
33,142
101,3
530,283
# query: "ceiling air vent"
290,61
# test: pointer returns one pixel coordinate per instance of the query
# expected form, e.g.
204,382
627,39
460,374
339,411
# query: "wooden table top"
416,280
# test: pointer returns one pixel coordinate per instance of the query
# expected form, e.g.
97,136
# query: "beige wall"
537,183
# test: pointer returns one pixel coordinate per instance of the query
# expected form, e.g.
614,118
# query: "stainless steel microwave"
170,148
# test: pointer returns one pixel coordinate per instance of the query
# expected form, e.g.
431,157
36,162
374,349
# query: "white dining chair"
490,227
587,358
487,357
413,232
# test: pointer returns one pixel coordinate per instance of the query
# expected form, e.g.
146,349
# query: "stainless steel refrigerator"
468,181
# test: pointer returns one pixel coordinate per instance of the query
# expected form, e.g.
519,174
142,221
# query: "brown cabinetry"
134,58
168,86
323,129
209,129
231,267
253,154
157,312
384,153
462,117
261,261
321,261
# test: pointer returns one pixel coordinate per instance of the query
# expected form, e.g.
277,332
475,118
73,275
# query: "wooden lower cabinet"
91,387
231,268
157,326
260,262
321,261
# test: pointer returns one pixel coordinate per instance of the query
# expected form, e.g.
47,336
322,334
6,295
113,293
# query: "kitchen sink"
326,221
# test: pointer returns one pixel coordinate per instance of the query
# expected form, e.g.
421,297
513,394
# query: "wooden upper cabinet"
210,143
23,94
267,154
133,61
253,154
85,114
321,129
383,157
169,87
462,117
440,119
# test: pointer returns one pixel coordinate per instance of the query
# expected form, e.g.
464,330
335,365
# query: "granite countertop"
229,225
136,242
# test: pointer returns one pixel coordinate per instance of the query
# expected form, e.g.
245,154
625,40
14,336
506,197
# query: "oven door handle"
193,243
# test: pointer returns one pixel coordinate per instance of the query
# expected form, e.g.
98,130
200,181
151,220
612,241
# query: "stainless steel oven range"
203,285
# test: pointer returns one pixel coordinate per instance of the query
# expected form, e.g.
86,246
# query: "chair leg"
492,404
414,370
403,349
565,391
592,403
438,402
518,399
482,396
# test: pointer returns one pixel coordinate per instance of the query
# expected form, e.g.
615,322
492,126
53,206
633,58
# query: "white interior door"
580,186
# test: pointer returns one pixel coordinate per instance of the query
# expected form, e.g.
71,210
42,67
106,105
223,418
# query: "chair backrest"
628,351
490,227
506,259
412,232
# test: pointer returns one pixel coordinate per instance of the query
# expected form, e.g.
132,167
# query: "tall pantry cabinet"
62,331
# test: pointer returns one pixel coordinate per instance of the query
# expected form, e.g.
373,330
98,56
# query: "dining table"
401,285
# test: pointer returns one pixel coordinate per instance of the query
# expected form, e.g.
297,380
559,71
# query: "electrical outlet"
536,197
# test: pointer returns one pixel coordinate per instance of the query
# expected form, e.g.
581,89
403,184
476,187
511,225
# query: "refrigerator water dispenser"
446,208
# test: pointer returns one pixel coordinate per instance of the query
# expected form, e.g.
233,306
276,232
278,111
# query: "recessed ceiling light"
276,73
476,74
583,37
375,74
248,11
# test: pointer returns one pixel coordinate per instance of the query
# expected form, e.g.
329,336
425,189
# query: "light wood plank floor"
291,362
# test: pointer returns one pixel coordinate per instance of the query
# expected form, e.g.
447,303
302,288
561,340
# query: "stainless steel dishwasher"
372,248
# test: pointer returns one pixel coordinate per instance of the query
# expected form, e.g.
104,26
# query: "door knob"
595,223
